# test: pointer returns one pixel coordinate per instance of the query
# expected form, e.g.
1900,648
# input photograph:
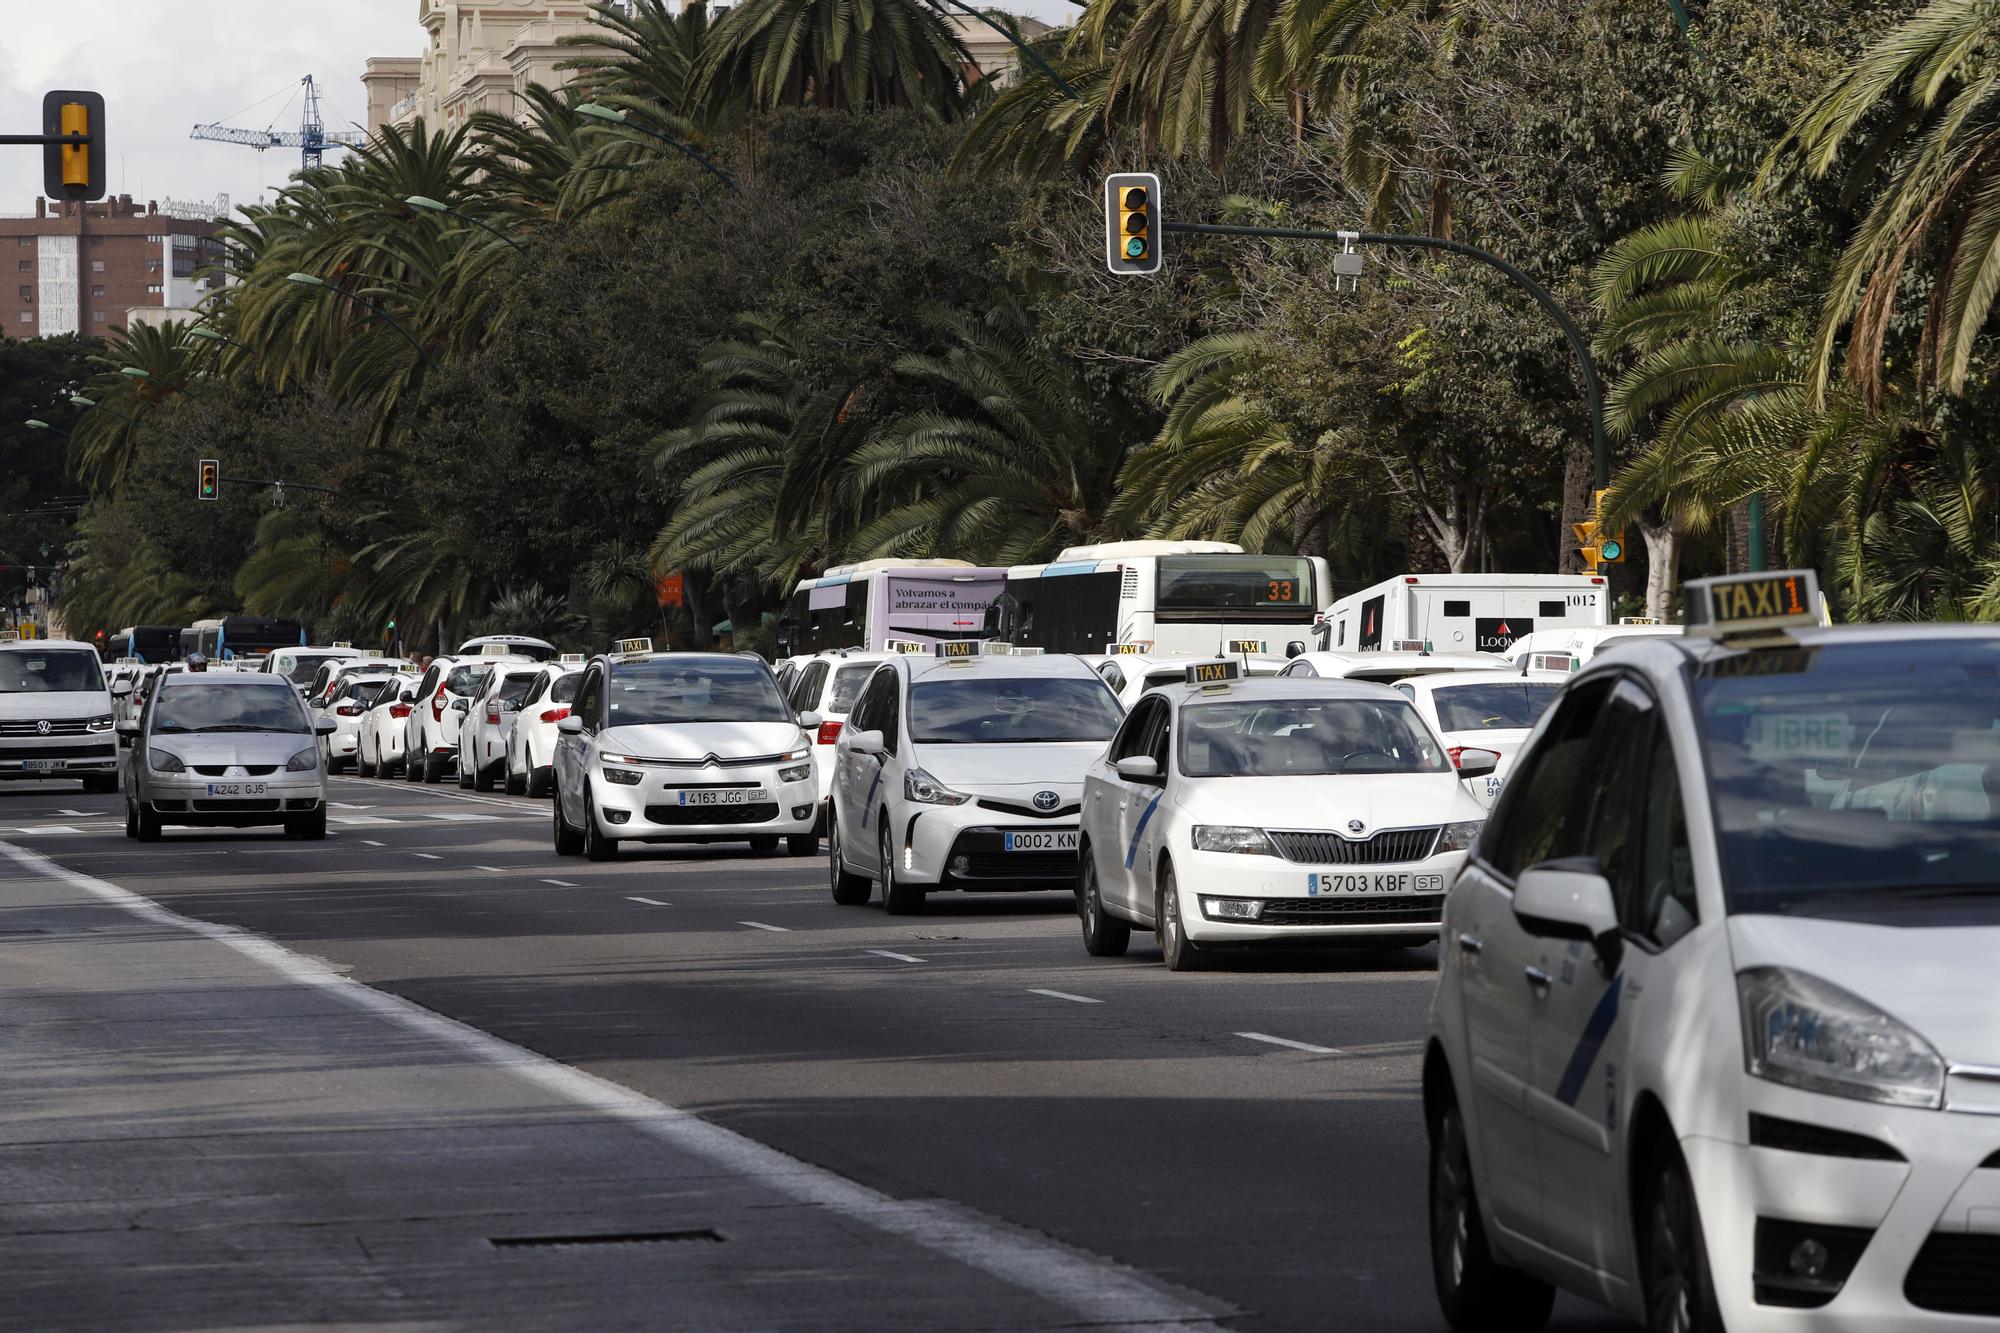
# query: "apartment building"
72,267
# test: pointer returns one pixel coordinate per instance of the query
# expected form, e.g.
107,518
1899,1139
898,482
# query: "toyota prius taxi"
963,771
1716,1040
1230,812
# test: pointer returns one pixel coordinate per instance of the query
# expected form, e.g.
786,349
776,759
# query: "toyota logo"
1047,800
1355,826
42,728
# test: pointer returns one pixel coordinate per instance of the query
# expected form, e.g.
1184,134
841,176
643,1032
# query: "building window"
97,291
152,266
97,316
156,240
154,289
24,241
27,316
97,266
27,266
27,293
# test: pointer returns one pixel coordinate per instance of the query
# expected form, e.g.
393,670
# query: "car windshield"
1012,710
1305,738
50,671
847,683
665,690
1494,706
191,705
1855,769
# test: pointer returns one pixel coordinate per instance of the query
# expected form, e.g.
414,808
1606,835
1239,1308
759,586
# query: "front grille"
1386,909
984,860
99,750
1322,848
1027,811
762,812
69,726
220,805
222,770
718,761
1954,1274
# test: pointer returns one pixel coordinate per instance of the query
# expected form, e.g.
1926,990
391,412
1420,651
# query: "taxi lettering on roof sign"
567,658
956,649
343,643
904,646
1748,603
10,636
1140,646
627,646
1245,646
1214,673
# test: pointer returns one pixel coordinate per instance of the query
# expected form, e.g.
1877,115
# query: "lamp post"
36,423
429,205
315,281
79,400
206,334
612,115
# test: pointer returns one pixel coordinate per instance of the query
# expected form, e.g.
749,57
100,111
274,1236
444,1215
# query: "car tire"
468,773
1180,953
849,890
311,827
1104,936
541,781
413,769
596,847
517,779
432,770
101,784
149,825
897,899
1679,1289
335,765
362,768
131,818
1474,1291
802,844
482,779
568,841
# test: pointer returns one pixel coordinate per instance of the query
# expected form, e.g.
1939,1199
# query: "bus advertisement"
866,605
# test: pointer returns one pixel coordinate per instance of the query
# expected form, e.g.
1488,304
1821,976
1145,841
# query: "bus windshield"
1264,586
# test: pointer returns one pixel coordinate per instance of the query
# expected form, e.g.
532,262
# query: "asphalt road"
1250,1134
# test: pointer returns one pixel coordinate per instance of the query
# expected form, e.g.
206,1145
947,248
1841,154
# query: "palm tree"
845,55
645,52
105,442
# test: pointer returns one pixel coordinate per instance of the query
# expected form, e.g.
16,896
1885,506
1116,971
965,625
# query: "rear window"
466,679
363,690
50,671
564,690
516,686
1492,706
847,683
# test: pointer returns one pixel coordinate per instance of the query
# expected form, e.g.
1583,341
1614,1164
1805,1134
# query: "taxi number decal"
1320,882
1039,841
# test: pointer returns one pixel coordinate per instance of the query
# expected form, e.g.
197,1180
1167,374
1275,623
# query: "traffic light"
209,486
1598,547
73,170
1132,222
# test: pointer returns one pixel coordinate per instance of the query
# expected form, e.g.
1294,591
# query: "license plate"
238,788
1493,786
1041,840
1325,883
723,796
44,765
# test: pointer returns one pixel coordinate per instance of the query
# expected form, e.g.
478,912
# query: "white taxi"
1131,674
1400,661
964,770
1486,710
828,686
491,714
531,744
1230,811
681,747
1715,1038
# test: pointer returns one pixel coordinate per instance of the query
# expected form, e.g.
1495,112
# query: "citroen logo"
711,761
1047,800
42,728
1355,826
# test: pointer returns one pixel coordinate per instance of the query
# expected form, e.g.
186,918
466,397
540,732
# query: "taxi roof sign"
342,643
905,646
1245,646
1139,646
1548,662
1214,673
959,650
627,646
10,636
568,659
1739,604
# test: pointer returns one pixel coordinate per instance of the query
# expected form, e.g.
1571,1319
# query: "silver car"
224,748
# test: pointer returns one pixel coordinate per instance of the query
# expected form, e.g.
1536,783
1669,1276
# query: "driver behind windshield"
228,708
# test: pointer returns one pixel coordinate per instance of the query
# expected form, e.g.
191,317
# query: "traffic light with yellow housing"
73,167
209,484
1132,222
1598,547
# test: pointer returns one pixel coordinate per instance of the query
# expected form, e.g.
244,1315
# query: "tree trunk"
1577,479
1663,561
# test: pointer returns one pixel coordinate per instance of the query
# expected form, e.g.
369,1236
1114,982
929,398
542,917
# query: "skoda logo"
1047,800
1355,826
42,728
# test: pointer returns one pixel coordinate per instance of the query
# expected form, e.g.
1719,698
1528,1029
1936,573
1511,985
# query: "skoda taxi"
1233,811
964,770
1487,710
681,747
1716,1040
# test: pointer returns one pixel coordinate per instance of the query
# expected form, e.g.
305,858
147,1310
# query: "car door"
1495,962
805,691
1635,830
573,751
413,726
884,771
1108,798
856,774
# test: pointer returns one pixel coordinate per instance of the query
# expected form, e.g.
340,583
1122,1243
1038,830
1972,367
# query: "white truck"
1462,613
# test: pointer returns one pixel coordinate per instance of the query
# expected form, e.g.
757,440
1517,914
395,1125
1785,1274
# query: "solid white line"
1287,1041
759,925
428,856
1062,995
650,902
560,883
1094,1289
899,957
362,821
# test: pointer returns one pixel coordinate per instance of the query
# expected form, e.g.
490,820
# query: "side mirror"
460,705
1139,768
325,727
865,742
1476,763
810,721
570,725
1569,899
1295,648
407,697
510,705
129,727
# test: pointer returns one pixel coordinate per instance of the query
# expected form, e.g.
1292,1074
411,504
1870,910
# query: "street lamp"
612,115
80,401
206,334
314,280
429,205
36,423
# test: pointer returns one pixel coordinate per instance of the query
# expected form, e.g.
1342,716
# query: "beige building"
993,56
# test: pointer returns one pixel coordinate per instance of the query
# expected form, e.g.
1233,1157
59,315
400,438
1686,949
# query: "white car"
964,772
346,710
55,714
1715,1035
531,744
1131,674
1229,811
430,737
380,738
828,686
1486,710
1389,665
681,747
505,645
1580,643
490,717
301,665
330,672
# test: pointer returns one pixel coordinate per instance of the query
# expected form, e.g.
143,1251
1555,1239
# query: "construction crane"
311,138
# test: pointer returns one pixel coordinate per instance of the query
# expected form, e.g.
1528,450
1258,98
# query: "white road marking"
343,805
428,856
1062,995
76,814
899,957
560,883
370,842
362,821
461,816
1096,1290
523,805
650,902
491,870
1287,1041
47,828
759,925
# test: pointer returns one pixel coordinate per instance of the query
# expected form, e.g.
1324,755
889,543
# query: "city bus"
1168,598
1463,613
227,638
868,604
145,643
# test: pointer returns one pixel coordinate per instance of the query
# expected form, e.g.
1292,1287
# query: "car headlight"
1811,1034
798,774
1460,835
619,759
1232,838
99,723
1232,909
162,762
921,787
305,761
624,777
803,752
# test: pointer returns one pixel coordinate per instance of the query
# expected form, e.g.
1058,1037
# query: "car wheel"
468,770
596,847
1181,953
362,767
517,779
482,778
1680,1292
1474,1292
849,890
1104,936
413,769
431,771
802,844
568,841
897,899
149,825
541,781
131,819
764,843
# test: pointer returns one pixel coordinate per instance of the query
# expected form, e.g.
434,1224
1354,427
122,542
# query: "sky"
166,65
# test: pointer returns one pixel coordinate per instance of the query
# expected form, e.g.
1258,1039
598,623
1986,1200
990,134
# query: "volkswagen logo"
1355,826
42,728
1047,800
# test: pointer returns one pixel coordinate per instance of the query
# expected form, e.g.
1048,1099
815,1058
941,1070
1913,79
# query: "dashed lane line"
759,925
428,856
1063,995
899,957
491,870
560,883
650,902
1288,1043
